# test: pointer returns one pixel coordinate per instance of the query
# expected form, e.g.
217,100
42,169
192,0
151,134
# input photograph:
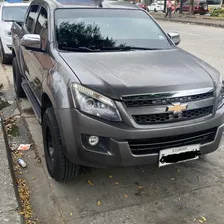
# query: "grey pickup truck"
111,88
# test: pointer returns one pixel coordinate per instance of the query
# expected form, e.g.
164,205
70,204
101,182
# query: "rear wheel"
205,7
17,79
58,165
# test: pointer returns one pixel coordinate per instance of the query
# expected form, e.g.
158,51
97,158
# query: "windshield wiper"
128,48
12,20
125,48
77,49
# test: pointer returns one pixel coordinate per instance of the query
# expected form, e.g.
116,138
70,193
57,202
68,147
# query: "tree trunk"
164,10
191,7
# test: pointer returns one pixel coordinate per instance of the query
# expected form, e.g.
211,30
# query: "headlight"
220,91
8,32
94,103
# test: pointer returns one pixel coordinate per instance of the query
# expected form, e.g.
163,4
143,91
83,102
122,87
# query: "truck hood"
137,72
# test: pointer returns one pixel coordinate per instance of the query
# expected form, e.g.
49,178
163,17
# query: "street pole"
164,10
181,6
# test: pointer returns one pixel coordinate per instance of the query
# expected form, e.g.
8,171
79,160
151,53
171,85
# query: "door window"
31,18
42,27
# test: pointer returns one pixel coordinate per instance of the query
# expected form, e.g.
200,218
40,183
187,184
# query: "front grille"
154,145
171,117
147,100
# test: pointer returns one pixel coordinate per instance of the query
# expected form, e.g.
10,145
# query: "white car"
155,7
9,12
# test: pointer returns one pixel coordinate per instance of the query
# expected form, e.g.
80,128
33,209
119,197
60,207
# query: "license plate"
178,155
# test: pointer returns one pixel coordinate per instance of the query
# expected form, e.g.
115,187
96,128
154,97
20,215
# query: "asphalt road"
204,42
171,195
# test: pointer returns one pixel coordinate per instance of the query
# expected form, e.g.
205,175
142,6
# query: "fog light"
93,140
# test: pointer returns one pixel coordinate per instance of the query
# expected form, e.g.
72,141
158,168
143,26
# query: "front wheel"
58,165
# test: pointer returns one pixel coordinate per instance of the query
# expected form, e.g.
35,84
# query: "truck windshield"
107,29
13,13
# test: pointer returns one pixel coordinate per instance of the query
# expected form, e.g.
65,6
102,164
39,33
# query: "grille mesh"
171,117
146,100
154,145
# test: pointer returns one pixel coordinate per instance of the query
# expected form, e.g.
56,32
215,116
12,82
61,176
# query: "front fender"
57,90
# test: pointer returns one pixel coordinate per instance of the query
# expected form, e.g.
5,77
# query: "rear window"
94,28
14,13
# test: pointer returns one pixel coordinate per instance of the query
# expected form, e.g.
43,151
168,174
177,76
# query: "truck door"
41,61
28,56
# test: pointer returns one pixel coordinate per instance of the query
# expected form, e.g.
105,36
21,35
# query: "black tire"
155,10
58,165
205,7
17,79
4,59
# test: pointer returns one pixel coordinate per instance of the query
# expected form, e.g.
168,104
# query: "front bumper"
73,124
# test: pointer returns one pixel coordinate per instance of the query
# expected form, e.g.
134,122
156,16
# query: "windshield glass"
107,28
14,13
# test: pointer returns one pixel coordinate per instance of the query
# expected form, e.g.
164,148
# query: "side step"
32,99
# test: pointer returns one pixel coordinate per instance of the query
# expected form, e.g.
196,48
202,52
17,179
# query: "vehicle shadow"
101,190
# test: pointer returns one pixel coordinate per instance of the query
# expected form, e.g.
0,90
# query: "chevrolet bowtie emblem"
176,108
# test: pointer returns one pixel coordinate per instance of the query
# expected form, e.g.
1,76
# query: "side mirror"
31,42
175,37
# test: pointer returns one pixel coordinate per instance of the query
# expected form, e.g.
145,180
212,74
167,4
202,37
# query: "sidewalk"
192,19
8,200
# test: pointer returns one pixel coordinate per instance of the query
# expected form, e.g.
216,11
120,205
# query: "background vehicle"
141,5
107,91
214,4
161,3
156,7
9,12
200,7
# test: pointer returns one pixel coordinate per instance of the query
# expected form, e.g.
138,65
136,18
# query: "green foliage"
218,13
80,34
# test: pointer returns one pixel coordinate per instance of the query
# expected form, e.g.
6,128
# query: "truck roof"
89,3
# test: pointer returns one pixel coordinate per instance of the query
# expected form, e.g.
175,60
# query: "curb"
190,22
9,157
